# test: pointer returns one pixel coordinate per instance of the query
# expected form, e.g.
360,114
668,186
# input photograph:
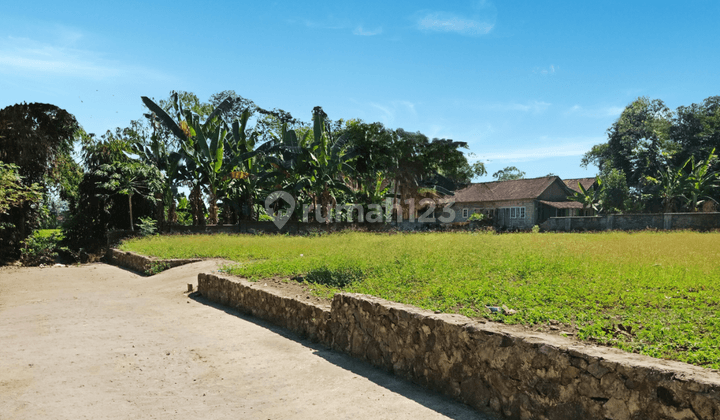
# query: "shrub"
337,277
39,249
147,226
157,267
476,217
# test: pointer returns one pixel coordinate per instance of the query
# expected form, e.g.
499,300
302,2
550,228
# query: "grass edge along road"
654,293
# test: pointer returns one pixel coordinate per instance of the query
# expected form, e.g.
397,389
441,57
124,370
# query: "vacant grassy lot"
654,293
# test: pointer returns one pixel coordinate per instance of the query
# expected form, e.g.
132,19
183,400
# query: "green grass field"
655,293
46,233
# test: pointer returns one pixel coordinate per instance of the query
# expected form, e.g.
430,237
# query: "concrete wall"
490,366
666,221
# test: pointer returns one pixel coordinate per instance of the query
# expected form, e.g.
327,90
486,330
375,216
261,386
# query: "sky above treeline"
529,84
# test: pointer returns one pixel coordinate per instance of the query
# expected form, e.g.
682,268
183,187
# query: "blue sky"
529,84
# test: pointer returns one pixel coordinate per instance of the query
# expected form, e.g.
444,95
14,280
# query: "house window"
465,213
517,212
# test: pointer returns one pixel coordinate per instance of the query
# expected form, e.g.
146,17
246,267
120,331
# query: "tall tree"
374,145
32,136
509,173
312,164
615,193
638,145
13,193
696,130
203,142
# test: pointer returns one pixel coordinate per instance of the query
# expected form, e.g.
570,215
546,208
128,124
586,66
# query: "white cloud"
329,23
366,32
560,148
613,111
546,70
390,110
449,22
479,21
597,112
535,107
26,56
335,23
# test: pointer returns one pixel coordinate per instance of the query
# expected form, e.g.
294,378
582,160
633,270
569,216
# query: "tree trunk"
251,204
213,210
131,217
160,211
196,206
172,214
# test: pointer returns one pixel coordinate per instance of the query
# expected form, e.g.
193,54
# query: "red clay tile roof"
519,189
562,204
573,183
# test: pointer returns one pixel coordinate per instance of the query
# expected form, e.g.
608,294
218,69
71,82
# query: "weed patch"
339,277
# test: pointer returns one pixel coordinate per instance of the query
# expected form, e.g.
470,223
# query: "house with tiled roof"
585,182
517,204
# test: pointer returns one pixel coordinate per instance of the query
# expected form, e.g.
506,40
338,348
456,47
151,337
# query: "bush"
157,267
476,217
338,277
39,249
147,226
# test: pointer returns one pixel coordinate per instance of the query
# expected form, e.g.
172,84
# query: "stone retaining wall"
490,366
144,264
306,319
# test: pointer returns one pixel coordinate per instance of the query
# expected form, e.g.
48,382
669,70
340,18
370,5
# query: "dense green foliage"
103,201
215,150
41,247
38,139
652,293
13,192
652,148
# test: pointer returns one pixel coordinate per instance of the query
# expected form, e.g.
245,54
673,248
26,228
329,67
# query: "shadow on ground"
431,400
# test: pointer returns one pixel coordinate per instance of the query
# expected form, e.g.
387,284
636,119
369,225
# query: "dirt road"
99,342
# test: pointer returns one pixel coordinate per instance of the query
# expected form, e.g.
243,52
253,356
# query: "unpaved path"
99,342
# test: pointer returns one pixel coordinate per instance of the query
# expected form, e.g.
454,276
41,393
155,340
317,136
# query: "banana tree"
247,177
590,197
672,184
315,166
203,144
184,128
156,150
702,182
